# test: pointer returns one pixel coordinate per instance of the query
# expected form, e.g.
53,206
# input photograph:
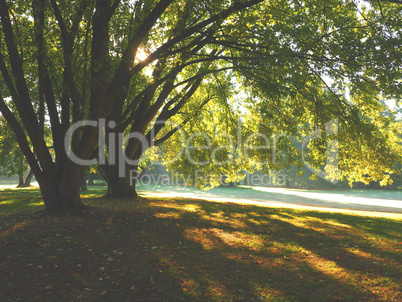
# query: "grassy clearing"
194,250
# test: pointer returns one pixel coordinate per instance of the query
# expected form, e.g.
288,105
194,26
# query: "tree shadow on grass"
192,251
334,245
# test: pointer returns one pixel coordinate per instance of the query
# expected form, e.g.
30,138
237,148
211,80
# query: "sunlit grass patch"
13,201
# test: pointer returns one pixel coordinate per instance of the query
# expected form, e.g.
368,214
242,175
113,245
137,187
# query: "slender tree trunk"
91,179
21,174
20,180
84,186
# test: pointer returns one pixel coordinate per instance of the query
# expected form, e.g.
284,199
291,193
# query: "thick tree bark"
61,195
62,201
121,187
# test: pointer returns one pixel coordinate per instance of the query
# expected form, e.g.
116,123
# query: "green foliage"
12,160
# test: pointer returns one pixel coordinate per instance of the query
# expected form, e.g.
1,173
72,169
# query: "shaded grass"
195,250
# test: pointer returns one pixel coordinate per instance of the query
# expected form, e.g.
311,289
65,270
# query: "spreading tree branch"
122,71
23,101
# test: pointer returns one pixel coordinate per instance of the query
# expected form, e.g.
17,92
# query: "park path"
360,200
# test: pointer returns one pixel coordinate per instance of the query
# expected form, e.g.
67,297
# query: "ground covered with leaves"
187,250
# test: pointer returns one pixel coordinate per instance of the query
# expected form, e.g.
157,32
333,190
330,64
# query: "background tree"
12,161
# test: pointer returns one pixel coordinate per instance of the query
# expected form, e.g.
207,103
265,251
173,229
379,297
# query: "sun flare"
141,55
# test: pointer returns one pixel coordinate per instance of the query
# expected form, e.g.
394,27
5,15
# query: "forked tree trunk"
27,182
28,179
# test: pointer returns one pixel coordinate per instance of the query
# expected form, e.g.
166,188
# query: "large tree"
303,64
136,62
81,57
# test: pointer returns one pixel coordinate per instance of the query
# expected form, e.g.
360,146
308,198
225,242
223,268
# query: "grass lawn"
193,250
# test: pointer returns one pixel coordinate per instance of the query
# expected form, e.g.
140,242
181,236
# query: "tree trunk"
84,186
21,174
20,180
62,201
91,179
123,187
119,187
61,195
